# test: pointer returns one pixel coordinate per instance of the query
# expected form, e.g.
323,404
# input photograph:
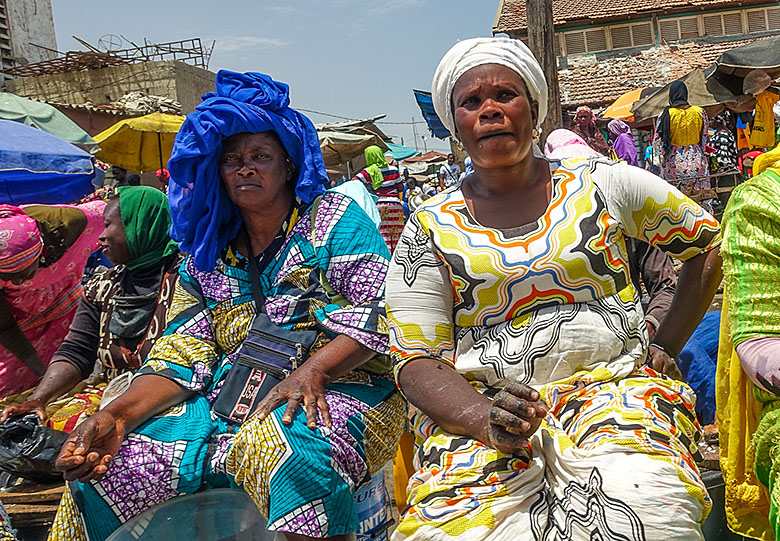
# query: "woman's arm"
60,377
504,423
699,279
89,449
15,341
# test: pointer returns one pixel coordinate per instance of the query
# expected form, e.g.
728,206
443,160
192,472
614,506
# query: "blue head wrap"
204,219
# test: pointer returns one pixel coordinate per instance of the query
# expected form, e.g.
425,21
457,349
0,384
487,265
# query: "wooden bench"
32,505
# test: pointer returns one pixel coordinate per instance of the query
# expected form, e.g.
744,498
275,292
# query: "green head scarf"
147,219
375,160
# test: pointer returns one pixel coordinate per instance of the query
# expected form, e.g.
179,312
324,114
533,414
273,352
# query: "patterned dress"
303,480
686,158
44,306
550,304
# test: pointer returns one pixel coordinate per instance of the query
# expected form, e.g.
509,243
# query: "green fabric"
42,116
766,442
751,257
147,219
375,160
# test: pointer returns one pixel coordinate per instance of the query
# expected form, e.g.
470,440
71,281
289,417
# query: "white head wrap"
474,52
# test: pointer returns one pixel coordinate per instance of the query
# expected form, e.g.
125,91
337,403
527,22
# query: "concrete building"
26,32
172,79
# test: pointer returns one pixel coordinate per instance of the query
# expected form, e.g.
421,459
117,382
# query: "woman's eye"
471,100
506,95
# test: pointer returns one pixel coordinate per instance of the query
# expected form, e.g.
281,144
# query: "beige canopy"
701,91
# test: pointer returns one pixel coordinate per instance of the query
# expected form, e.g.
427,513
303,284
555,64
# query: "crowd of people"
517,330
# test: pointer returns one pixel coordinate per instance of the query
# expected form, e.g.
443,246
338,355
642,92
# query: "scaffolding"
190,51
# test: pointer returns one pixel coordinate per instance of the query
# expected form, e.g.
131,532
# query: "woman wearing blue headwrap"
244,172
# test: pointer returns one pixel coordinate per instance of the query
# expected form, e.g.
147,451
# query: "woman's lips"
492,135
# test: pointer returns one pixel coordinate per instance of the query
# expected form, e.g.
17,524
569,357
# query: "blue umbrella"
36,167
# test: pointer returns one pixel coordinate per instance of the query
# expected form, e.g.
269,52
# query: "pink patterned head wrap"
588,110
20,241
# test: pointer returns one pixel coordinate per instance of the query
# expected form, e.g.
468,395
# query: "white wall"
31,21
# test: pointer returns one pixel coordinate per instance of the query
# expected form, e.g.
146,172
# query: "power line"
354,119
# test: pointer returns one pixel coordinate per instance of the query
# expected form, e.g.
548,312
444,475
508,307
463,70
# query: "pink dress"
44,306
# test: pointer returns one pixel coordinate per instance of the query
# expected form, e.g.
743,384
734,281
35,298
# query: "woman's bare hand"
88,451
515,415
304,387
31,406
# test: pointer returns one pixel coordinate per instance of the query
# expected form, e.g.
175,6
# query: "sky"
347,58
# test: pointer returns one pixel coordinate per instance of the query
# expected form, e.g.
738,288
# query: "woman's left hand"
660,361
304,387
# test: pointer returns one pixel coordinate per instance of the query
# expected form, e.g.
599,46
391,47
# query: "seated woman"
516,332
43,250
748,377
384,180
244,172
121,314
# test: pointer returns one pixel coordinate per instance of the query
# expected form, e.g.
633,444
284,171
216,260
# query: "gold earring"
535,133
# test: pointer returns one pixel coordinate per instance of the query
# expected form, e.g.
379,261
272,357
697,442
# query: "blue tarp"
425,101
36,167
401,152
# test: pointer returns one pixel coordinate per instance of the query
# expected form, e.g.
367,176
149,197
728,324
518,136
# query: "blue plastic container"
373,510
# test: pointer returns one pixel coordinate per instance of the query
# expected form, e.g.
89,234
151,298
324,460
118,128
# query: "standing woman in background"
679,141
384,180
585,127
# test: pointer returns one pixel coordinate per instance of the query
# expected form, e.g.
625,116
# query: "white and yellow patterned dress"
551,304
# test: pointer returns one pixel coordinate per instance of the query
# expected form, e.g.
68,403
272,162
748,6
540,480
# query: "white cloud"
394,5
239,43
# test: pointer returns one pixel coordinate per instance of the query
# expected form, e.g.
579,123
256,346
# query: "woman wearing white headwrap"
517,334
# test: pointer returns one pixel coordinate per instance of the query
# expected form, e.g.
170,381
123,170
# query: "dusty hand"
87,453
31,406
306,387
661,362
516,414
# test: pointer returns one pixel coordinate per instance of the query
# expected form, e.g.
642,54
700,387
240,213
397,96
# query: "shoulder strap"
334,296
254,276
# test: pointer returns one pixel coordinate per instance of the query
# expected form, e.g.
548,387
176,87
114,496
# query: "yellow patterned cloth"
550,304
572,481
686,125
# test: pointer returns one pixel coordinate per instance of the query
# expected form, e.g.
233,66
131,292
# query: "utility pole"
541,40
414,130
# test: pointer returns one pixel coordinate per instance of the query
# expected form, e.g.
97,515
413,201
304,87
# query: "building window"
574,43
773,18
732,23
756,20
633,35
596,40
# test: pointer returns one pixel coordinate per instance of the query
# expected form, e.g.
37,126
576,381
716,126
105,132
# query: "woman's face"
494,117
255,170
582,118
20,277
113,239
